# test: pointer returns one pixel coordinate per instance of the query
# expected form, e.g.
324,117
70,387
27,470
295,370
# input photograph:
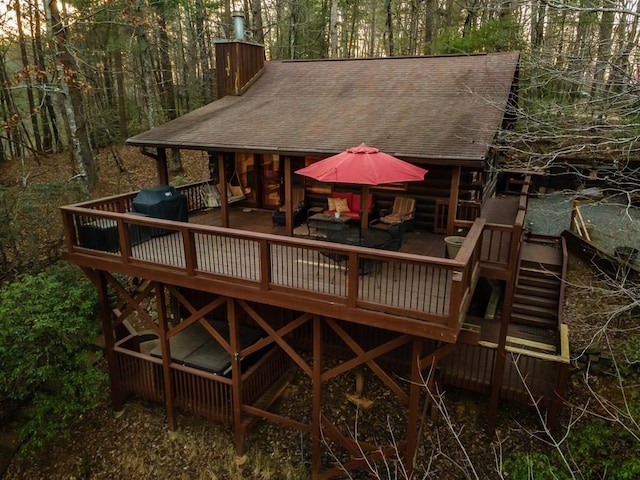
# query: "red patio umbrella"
363,165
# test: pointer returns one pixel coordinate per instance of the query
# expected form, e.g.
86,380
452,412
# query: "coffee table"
328,223
372,238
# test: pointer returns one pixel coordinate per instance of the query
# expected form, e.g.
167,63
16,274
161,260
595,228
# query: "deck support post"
161,307
507,305
109,340
288,195
501,358
161,166
415,387
224,200
316,400
236,379
453,199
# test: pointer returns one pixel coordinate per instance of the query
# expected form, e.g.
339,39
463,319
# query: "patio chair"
370,266
399,219
337,261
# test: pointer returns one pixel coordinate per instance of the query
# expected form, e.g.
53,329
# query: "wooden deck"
410,290
370,305
255,261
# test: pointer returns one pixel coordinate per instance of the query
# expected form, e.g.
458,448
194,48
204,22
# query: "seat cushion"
341,205
346,195
392,218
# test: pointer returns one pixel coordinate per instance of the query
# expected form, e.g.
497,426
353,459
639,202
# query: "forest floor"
135,444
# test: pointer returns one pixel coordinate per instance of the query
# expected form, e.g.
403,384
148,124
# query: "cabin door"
271,180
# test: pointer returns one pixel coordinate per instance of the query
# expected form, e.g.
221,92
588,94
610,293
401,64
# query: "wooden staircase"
538,285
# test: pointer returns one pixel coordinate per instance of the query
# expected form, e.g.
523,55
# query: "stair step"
533,310
550,283
545,268
535,300
534,321
534,291
538,271
546,253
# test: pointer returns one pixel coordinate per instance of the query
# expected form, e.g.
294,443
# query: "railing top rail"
125,196
471,240
487,225
313,244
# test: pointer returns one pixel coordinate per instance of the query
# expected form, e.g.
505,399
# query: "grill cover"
163,202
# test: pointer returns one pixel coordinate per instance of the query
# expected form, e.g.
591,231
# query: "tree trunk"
165,86
389,28
11,134
51,136
146,71
122,108
373,30
470,19
603,53
628,38
413,23
258,28
33,116
71,93
333,28
203,56
429,26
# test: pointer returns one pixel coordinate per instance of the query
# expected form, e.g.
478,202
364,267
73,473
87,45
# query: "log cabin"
214,308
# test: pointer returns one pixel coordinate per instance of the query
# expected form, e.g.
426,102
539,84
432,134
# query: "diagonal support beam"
386,378
277,337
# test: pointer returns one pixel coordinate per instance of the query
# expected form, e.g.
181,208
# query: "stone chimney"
238,62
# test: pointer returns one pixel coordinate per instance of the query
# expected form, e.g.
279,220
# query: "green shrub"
530,466
47,327
596,450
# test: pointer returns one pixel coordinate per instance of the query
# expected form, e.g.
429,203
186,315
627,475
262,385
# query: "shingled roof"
431,108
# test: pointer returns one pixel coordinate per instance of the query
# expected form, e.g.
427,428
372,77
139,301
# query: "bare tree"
70,90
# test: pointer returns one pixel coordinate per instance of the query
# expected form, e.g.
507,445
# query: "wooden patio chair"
399,219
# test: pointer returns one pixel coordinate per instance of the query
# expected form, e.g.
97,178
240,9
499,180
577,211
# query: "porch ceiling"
433,108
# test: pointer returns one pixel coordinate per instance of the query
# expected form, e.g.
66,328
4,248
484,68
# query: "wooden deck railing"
99,234
196,390
500,248
124,202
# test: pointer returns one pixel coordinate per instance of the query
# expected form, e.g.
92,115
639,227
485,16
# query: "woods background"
85,74
77,76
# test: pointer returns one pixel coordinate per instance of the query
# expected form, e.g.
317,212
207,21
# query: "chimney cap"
238,20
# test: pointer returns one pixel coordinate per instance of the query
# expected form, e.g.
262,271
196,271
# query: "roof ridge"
405,57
